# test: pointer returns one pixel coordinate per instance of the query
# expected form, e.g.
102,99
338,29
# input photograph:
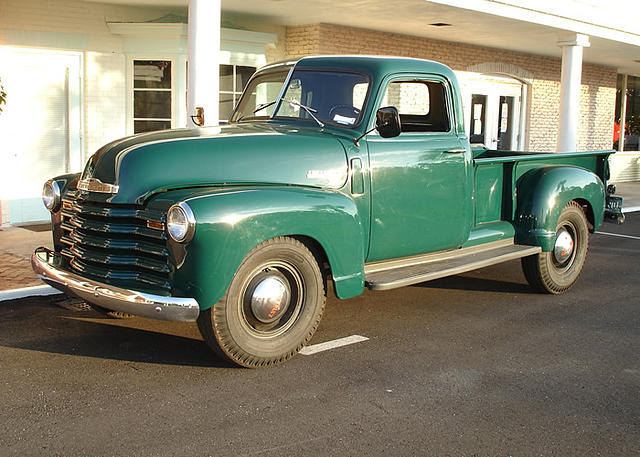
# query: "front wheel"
557,271
272,307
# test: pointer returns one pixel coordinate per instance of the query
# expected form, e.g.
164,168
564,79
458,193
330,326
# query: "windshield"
329,96
262,89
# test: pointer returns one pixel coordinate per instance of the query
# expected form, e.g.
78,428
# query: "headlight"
181,224
51,195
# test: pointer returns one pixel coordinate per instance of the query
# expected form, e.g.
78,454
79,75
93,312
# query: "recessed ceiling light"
440,24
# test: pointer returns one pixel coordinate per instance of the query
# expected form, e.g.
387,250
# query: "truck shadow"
478,284
38,324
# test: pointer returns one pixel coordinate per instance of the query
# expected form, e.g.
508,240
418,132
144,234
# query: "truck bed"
497,174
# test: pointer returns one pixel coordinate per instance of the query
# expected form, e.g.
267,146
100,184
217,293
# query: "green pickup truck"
350,170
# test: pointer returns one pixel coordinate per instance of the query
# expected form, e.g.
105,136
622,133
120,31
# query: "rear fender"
231,222
543,192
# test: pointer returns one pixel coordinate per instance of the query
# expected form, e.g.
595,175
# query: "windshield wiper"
263,106
307,109
260,107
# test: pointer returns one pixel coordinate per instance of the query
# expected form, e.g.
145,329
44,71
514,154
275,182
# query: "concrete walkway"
17,244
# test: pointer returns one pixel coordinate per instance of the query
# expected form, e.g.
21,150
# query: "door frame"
494,86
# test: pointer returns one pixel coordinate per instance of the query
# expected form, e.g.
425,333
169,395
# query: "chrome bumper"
46,265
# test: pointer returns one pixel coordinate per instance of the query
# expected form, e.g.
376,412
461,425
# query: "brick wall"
597,107
303,40
598,82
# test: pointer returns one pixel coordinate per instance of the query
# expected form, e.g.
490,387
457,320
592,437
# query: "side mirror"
388,122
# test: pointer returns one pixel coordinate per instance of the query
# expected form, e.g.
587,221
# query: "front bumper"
46,264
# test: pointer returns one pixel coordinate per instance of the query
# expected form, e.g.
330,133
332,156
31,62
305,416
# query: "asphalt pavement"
473,365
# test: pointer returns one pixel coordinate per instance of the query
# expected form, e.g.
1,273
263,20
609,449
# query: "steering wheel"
347,111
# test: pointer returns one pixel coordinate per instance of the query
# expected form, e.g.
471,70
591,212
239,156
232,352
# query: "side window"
422,105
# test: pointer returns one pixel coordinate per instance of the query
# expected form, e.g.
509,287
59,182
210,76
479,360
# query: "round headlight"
51,195
181,224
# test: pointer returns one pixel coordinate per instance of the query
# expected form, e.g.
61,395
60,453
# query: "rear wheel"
557,271
272,307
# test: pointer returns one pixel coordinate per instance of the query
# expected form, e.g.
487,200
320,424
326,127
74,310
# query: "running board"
390,274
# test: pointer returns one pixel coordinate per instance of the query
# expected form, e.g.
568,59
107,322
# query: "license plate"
614,203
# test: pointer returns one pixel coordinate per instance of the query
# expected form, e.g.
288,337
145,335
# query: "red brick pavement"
16,272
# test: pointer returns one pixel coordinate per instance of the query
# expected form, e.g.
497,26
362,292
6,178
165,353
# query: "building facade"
79,74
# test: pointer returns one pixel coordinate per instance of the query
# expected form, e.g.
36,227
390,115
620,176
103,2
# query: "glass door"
506,121
477,129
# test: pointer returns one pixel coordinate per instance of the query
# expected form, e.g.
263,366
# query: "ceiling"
412,17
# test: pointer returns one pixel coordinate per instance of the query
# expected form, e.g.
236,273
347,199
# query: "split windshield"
331,97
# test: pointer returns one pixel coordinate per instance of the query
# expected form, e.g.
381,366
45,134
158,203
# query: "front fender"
231,222
543,192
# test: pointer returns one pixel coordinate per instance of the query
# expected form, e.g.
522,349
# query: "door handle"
357,177
456,151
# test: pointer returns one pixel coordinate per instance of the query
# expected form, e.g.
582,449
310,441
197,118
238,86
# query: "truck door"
420,184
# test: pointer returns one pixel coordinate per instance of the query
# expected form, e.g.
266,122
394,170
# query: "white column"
204,59
570,91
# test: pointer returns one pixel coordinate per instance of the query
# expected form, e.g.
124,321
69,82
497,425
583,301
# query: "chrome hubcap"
270,299
564,246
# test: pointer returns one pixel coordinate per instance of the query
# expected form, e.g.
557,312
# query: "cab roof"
376,66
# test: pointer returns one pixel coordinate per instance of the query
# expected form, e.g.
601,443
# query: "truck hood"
144,164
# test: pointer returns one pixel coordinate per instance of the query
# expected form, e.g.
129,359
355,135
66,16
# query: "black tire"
243,330
557,271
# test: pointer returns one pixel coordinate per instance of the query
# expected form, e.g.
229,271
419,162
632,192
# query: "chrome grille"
115,244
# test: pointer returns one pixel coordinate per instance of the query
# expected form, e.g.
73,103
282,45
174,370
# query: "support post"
204,60
570,81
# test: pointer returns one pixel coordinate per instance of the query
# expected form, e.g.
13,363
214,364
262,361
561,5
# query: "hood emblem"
95,185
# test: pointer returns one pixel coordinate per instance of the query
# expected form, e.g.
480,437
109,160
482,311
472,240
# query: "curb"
24,292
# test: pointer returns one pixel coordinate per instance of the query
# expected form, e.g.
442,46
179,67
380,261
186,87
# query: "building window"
632,121
152,97
233,79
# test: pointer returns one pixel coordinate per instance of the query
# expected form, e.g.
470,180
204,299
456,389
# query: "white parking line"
315,348
620,235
